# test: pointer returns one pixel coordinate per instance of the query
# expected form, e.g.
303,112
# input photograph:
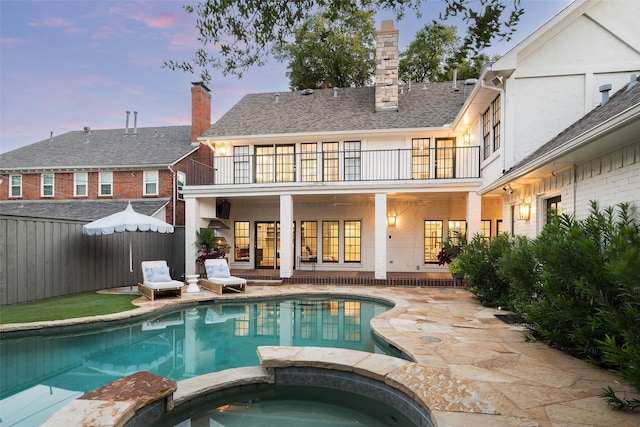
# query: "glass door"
267,245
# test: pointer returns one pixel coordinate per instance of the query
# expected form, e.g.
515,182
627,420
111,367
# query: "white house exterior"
373,179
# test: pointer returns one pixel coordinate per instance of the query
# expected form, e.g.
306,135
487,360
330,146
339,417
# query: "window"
352,160
485,229
285,163
330,241
554,207
15,185
241,240
456,230
499,229
486,133
80,184
445,158
264,164
47,185
432,240
182,179
495,105
330,161
150,183
352,241
241,164
309,162
420,158
105,183
309,241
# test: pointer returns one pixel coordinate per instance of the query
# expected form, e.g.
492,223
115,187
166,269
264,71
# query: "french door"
267,248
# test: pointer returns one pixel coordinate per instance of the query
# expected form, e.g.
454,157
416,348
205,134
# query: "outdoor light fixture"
508,189
496,81
466,138
525,211
391,220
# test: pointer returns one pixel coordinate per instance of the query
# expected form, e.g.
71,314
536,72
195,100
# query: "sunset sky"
69,64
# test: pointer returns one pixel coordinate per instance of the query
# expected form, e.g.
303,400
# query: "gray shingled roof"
81,210
352,110
619,102
103,148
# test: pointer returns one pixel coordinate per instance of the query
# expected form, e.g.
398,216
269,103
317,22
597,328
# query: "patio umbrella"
126,220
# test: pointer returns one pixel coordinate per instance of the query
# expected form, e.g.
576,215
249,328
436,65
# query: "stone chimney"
387,68
200,110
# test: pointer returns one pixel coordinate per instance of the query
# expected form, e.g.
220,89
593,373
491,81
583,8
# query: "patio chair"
156,279
219,279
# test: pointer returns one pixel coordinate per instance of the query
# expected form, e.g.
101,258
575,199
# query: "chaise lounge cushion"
218,271
157,274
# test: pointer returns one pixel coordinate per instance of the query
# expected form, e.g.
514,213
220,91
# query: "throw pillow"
157,274
219,271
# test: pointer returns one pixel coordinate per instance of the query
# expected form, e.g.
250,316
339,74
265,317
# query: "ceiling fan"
335,203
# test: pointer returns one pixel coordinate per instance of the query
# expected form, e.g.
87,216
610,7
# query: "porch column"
191,214
380,236
474,213
286,235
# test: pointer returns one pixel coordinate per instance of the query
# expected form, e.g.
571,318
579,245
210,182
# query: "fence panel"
43,258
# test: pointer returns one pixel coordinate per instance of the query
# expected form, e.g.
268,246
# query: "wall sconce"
391,220
508,189
221,148
525,211
466,138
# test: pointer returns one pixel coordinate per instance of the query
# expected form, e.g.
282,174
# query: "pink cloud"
165,20
10,41
175,120
51,22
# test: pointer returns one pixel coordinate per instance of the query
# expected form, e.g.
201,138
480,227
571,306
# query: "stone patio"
462,354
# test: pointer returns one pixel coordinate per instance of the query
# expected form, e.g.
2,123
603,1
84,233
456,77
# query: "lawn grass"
66,307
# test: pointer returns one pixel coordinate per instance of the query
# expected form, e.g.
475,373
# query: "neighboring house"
374,179
83,174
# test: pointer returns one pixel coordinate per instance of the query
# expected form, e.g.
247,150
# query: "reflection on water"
40,374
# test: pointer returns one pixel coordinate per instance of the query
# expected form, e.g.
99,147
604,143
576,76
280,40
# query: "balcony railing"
336,166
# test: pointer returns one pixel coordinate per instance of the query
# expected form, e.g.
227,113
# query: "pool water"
40,374
289,406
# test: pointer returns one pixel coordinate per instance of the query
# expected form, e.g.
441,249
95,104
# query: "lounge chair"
156,279
219,279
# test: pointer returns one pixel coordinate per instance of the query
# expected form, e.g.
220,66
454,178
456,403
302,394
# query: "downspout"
174,192
503,112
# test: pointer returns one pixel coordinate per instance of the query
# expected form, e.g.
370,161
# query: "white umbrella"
126,220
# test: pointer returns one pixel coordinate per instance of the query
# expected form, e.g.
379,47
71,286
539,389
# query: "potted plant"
456,268
207,244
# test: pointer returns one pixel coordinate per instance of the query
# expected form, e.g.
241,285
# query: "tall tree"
336,51
245,31
427,56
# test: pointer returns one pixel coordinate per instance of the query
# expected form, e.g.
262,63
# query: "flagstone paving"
470,368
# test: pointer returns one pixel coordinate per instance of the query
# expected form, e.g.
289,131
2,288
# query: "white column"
191,214
474,214
380,236
286,235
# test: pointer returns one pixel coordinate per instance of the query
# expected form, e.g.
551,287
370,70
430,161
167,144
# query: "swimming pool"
41,373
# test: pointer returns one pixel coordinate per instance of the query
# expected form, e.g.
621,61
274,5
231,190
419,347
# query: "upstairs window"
330,161
491,138
309,161
150,183
47,185
495,106
105,184
182,179
241,165
420,150
352,160
80,184
15,186
486,133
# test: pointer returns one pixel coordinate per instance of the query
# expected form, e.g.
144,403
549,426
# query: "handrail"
336,166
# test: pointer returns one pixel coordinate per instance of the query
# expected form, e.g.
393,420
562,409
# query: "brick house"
90,173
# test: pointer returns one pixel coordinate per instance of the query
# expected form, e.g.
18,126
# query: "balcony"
286,166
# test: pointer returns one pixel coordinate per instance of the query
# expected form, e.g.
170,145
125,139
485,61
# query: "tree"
425,59
331,53
246,31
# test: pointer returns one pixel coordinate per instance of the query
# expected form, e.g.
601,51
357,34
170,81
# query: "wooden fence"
43,258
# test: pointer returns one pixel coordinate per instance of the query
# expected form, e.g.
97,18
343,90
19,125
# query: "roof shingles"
352,110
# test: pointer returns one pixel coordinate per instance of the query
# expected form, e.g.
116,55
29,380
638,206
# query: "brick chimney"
387,68
200,110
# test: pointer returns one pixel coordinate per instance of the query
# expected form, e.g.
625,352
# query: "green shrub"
577,285
480,262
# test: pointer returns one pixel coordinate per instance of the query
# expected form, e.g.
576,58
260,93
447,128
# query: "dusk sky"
69,64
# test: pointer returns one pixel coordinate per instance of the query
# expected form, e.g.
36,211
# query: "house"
375,178
88,174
